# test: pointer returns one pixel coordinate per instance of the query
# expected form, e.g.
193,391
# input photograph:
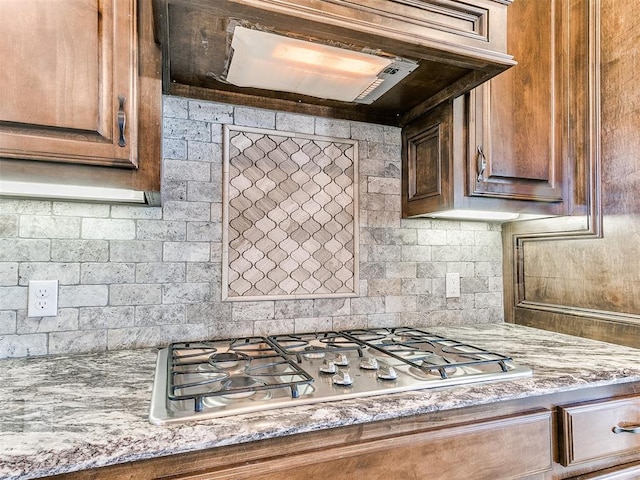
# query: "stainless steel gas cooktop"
201,380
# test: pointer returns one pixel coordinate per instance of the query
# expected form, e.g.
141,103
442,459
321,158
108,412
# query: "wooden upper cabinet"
520,142
516,134
69,80
427,170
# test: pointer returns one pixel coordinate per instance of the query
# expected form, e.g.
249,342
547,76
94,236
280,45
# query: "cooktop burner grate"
428,352
231,368
315,345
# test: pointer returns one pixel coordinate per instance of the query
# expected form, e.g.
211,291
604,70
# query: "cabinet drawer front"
588,430
505,448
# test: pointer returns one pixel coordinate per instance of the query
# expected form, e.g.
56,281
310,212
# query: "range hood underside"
457,45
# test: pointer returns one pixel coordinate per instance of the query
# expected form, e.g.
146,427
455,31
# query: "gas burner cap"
241,382
226,360
342,378
438,365
386,372
314,352
368,363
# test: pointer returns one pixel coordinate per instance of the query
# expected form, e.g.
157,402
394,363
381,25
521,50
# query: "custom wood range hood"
457,46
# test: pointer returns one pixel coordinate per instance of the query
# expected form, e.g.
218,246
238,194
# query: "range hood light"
274,62
320,57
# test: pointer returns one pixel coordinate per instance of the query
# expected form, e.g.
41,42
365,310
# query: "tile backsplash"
145,276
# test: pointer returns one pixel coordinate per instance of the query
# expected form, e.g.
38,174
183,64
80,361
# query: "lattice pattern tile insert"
291,215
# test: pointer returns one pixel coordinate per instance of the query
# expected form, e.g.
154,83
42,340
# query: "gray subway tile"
65,273
32,226
77,341
66,320
210,112
161,230
83,296
13,298
149,315
23,345
135,251
95,318
8,226
186,252
8,322
160,272
108,229
8,274
186,292
79,250
107,273
187,211
137,294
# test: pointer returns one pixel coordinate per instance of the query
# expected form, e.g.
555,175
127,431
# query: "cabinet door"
517,120
69,81
427,171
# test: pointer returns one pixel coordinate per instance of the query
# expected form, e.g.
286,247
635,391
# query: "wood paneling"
587,286
597,274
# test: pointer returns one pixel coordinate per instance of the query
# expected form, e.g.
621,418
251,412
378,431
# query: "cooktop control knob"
368,363
341,360
328,367
387,373
342,378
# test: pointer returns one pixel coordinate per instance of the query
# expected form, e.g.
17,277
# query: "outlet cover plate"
452,285
43,298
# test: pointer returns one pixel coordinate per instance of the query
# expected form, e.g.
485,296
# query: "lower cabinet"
578,435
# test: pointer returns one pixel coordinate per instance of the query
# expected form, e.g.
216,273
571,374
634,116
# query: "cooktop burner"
200,380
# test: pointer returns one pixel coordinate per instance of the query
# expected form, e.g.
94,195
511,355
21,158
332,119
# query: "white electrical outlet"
43,298
452,285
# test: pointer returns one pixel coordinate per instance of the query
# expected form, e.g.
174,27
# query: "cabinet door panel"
66,66
426,163
53,81
516,145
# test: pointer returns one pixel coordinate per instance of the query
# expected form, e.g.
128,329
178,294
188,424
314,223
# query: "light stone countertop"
67,413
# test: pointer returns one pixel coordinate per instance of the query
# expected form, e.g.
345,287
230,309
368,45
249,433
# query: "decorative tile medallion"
290,214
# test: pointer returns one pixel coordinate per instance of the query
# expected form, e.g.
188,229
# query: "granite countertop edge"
46,430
